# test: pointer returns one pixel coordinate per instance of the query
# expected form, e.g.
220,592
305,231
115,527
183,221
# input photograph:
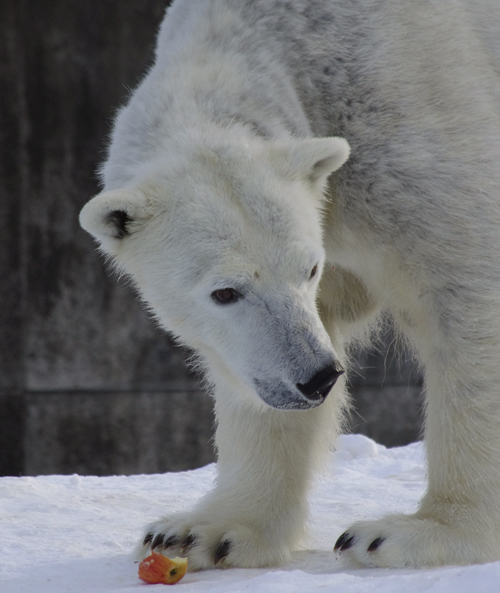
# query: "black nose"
320,384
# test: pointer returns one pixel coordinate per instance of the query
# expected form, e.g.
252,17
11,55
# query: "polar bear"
284,173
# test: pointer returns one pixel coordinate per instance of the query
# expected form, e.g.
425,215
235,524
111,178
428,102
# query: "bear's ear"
315,159
112,215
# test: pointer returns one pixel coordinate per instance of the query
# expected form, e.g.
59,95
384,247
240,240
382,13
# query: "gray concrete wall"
387,394
88,384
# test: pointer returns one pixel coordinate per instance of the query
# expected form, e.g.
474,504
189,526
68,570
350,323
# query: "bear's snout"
320,384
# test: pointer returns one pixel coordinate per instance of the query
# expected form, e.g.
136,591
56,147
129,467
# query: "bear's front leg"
257,510
458,521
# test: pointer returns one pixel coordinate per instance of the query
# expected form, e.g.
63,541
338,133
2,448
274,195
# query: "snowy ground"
74,534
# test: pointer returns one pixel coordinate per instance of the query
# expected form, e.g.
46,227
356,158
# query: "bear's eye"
225,296
313,272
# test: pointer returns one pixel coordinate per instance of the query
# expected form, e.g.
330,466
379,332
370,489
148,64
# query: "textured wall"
387,394
87,382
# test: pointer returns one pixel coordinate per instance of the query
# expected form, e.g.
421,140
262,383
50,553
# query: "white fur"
218,165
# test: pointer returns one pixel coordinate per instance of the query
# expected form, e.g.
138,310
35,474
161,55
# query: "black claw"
148,538
376,543
173,540
188,543
340,542
344,542
222,551
158,540
347,544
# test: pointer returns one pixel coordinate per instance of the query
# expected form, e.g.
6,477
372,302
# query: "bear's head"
224,244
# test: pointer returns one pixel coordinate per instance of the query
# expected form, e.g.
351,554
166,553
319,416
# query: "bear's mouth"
320,394
281,397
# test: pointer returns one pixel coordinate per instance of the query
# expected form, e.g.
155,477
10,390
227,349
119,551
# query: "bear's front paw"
208,543
401,541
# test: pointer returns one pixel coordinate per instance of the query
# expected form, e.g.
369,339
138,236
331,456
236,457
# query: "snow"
75,533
